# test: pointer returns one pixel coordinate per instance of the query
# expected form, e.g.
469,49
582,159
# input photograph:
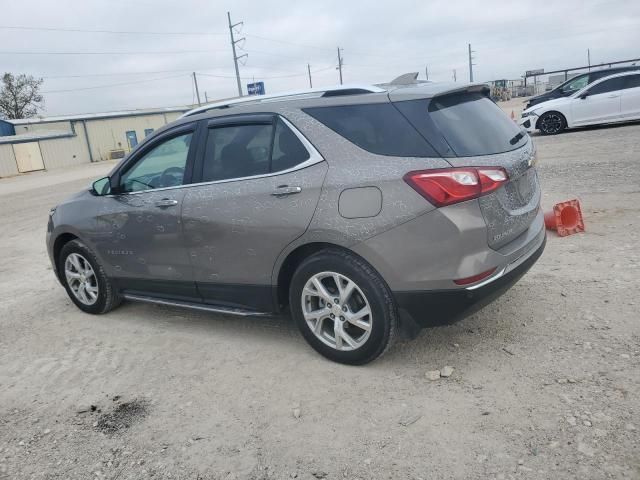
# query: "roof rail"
294,94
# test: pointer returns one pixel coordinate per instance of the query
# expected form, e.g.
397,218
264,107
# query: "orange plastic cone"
565,218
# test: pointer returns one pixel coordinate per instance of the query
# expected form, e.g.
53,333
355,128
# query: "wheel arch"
564,118
60,241
290,264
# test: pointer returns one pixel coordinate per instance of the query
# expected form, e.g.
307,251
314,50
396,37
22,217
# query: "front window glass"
607,86
161,167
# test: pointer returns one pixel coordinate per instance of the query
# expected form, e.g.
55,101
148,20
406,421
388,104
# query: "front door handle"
284,190
166,202
614,96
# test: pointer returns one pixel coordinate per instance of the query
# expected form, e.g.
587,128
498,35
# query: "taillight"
474,278
453,185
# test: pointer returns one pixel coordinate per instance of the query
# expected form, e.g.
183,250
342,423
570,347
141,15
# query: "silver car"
365,212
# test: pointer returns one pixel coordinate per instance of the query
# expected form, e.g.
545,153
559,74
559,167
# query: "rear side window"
377,128
288,150
463,125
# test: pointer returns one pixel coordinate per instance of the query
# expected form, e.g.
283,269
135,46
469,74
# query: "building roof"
94,116
34,136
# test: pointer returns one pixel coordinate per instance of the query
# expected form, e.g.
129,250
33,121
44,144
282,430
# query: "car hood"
76,196
548,104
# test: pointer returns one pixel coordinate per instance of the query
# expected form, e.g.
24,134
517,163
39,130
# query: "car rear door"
630,101
259,183
600,105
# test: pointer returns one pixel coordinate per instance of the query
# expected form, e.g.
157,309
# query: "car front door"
599,104
630,102
260,181
139,229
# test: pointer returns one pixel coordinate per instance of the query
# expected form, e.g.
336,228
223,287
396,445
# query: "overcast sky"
380,40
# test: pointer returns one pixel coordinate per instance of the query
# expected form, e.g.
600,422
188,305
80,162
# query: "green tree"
20,96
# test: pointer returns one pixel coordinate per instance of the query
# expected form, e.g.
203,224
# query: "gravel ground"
545,381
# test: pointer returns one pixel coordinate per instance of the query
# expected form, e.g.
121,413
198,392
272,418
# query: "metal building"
44,143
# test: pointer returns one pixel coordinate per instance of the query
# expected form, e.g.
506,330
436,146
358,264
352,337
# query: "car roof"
614,75
338,95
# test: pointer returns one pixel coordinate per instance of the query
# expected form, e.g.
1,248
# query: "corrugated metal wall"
171,116
104,135
8,166
111,134
65,152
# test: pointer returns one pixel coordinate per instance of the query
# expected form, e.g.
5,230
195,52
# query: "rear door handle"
284,190
166,202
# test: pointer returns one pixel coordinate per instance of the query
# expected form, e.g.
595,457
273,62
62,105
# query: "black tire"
551,123
383,319
107,298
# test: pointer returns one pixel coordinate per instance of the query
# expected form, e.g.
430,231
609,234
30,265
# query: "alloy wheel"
551,123
81,278
336,311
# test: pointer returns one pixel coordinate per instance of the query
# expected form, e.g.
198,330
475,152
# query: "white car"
611,99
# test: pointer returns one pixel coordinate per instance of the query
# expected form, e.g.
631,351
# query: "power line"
84,75
177,52
269,77
118,32
112,84
302,45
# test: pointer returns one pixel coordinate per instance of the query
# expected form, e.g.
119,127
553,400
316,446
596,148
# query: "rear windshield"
467,124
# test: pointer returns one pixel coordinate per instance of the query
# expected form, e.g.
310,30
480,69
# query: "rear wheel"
343,307
551,123
85,280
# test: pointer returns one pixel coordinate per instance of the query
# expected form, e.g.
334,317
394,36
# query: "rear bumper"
441,307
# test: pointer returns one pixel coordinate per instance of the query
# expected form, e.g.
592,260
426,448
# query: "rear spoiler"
481,88
433,90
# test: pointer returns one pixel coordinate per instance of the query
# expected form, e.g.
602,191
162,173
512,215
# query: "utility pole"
309,72
206,99
455,79
233,48
471,64
340,62
426,72
195,81
589,58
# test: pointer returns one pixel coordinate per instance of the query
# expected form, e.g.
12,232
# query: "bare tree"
20,96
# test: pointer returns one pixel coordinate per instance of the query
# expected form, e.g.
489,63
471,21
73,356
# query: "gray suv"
365,212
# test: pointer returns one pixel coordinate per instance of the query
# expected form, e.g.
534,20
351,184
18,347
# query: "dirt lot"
546,380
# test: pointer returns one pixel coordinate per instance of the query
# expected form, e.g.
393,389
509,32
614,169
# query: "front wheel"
85,280
343,307
551,123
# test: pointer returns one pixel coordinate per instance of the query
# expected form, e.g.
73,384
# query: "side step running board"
197,306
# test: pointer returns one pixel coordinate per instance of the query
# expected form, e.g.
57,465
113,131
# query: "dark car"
574,84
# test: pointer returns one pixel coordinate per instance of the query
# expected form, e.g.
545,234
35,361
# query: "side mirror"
101,187
584,95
